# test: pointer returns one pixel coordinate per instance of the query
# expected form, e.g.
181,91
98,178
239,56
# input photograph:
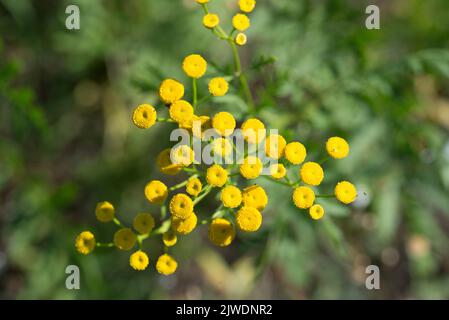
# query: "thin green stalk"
325,196
206,191
195,92
164,120
118,223
106,245
241,76
277,181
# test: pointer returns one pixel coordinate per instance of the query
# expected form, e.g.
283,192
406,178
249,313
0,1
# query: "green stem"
324,196
277,181
164,120
323,160
206,191
241,76
195,92
107,245
118,223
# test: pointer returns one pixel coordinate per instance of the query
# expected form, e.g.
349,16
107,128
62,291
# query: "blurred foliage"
66,142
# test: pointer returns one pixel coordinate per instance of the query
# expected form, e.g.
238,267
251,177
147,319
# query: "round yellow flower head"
211,20
105,211
125,239
221,147
311,173
278,170
275,146
241,22
165,165
170,91
241,39
181,111
143,223
194,186
248,219
295,152
156,192
231,196
166,265
194,66
251,167
181,206
255,196
184,226
139,260
85,242
247,5
218,87
182,155
216,176
223,123
169,239
221,232
345,192
144,116
202,1
316,212
303,197
253,130
337,147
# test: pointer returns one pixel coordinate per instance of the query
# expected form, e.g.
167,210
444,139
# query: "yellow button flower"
221,232
165,165
170,91
125,239
194,66
253,130
181,111
143,223
184,226
295,152
202,1
231,196
303,197
248,219
211,20
221,147
278,170
345,192
247,5
275,146
181,206
216,176
256,197
156,192
337,147
218,87
241,22
316,212
105,211
169,239
85,242
144,116
311,173
139,260
182,155
241,39
166,265
251,167
223,123
194,186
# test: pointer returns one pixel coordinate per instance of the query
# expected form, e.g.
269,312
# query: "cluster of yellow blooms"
240,208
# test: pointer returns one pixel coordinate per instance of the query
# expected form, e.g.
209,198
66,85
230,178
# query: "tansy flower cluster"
241,199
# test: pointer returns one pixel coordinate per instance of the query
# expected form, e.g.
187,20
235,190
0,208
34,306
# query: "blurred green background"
67,142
